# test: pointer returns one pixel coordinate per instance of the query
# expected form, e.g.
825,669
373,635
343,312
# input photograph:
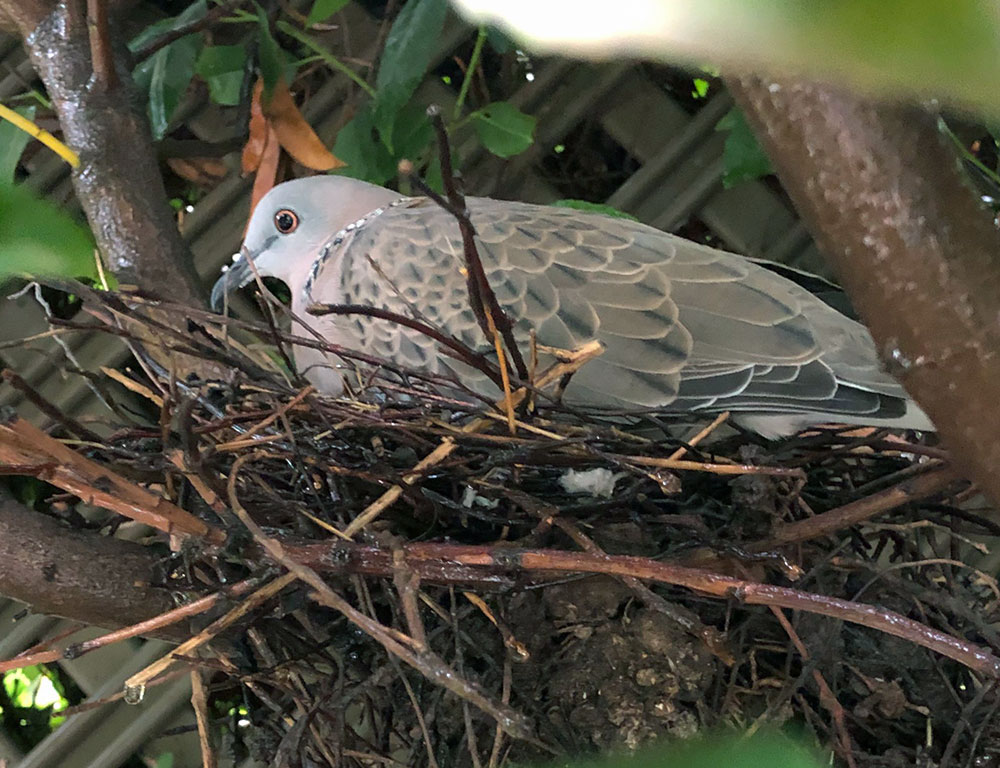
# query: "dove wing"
685,326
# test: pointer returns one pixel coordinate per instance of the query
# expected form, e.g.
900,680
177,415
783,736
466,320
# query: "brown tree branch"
78,575
484,566
886,200
29,450
101,56
118,182
170,36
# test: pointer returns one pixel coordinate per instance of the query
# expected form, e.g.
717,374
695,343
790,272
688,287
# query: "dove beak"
235,277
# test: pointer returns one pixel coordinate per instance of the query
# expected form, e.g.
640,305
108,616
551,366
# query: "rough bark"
118,182
919,256
78,575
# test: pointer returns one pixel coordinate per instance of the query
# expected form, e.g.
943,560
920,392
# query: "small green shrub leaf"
37,239
222,67
583,205
323,9
504,129
742,156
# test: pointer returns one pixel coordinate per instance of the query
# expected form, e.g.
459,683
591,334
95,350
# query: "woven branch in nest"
416,580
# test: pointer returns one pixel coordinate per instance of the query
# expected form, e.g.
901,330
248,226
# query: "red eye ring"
286,221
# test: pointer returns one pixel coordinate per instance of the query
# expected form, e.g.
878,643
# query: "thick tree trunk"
118,182
76,574
920,258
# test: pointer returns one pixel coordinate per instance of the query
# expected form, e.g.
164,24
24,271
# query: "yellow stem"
42,135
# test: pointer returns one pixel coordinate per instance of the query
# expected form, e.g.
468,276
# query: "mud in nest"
423,585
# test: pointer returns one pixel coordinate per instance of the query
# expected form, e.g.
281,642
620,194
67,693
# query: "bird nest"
401,576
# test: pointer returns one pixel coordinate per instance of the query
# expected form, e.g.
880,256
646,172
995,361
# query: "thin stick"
715,469
397,644
719,420
470,72
911,489
388,498
826,696
44,137
48,408
508,403
439,454
25,444
306,391
173,35
199,702
102,58
454,563
481,295
136,683
461,351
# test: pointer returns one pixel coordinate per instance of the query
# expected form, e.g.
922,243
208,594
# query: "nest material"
424,588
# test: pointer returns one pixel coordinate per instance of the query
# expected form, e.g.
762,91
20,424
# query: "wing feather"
685,326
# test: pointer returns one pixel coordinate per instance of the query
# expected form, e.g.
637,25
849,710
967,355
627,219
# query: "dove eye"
286,221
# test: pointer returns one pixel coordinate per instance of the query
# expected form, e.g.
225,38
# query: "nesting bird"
686,327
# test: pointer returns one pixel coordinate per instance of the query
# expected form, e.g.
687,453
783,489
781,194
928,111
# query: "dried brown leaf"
253,150
267,169
295,134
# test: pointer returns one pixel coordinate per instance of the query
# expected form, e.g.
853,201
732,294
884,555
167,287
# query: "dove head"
290,225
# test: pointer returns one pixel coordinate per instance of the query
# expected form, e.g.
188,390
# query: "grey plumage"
686,327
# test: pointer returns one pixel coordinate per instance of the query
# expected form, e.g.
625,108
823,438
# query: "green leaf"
38,239
408,49
499,41
583,205
411,132
324,9
222,67
504,129
411,42
272,59
742,156
729,750
172,72
192,13
12,143
389,100
434,178
366,156
165,75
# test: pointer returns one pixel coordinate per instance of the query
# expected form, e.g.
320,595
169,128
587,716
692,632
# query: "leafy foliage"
583,205
222,67
12,143
272,58
386,128
731,751
504,129
31,698
359,146
323,9
165,75
408,51
40,239
743,158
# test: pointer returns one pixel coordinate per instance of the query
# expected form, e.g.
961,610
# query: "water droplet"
134,694
900,359
670,484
